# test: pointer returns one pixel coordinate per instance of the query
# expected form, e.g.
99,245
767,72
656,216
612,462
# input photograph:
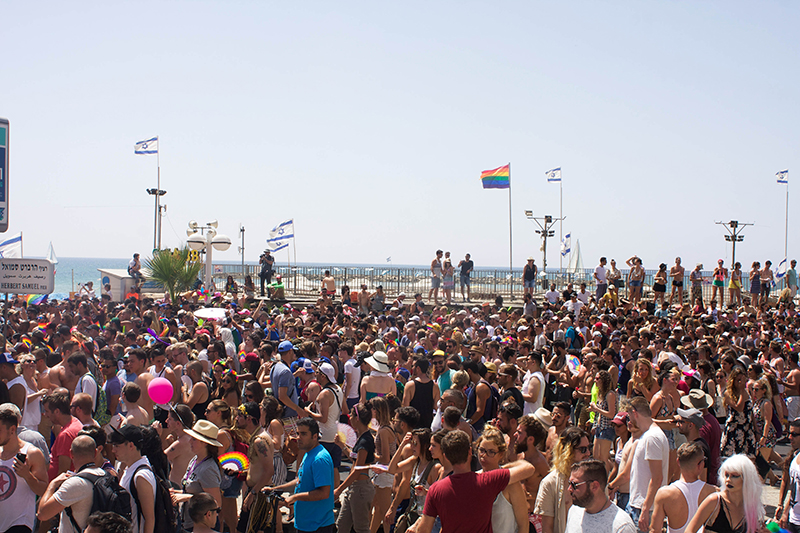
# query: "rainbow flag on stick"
499,178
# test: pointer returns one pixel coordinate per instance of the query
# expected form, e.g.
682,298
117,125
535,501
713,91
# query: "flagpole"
158,193
786,231
561,222
510,252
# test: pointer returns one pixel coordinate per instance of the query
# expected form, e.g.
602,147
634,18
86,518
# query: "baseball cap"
285,346
491,368
692,415
8,358
329,371
308,366
620,418
128,433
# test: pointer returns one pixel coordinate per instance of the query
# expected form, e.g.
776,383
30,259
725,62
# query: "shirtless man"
560,415
178,451
436,277
180,358
792,387
672,501
329,284
363,300
676,273
159,369
60,374
138,365
530,436
136,414
259,475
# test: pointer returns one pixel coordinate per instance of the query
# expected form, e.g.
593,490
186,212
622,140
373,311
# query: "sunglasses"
574,485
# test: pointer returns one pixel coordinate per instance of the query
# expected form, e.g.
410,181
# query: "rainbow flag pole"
500,178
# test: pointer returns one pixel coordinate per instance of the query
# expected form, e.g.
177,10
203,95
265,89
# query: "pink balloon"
160,390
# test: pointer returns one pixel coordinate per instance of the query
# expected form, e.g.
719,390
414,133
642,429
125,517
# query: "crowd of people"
612,415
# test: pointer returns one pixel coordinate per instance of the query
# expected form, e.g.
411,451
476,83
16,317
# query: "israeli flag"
389,259
11,248
566,244
783,176
554,175
281,232
150,146
278,247
781,270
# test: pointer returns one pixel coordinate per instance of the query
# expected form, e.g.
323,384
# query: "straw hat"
205,431
544,417
697,399
379,361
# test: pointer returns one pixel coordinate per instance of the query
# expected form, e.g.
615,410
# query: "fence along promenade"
487,283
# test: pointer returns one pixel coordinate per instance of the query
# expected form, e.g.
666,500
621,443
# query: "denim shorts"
605,434
529,283
234,489
465,280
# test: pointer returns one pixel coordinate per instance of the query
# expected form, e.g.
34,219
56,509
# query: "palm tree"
173,271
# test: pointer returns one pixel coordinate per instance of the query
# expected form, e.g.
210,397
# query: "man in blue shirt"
283,384
313,488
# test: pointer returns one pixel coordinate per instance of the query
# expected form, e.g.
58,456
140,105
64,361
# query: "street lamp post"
206,237
158,193
734,228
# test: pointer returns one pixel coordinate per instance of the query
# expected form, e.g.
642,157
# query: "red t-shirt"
62,446
464,501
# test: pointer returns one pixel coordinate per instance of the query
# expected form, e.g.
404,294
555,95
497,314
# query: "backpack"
577,340
100,413
107,495
494,406
164,512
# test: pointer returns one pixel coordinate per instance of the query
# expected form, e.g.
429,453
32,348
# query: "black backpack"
164,511
107,495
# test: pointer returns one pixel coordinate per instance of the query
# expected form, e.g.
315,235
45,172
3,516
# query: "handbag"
411,515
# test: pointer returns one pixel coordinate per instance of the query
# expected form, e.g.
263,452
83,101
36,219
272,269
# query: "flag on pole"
283,231
781,270
389,259
277,246
566,244
150,146
498,178
554,175
783,176
11,247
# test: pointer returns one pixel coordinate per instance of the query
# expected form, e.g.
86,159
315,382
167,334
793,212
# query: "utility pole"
544,223
157,193
241,251
734,229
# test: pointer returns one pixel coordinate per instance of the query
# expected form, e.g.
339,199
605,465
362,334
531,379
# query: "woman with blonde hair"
737,506
385,447
765,432
642,383
510,509
738,436
551,501
24,391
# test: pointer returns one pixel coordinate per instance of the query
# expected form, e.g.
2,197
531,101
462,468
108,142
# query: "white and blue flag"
783,176
11,247
554,175
781,270
566,244
281,232
150,146
277,246
389,259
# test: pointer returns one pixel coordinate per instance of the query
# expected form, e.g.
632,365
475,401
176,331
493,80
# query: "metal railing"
486,284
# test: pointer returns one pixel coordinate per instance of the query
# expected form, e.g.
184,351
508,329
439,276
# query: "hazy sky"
369,123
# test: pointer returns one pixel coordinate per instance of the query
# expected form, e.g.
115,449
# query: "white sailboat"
51,256
575,266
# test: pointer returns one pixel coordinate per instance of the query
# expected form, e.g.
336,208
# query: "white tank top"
691,492
328,430
503,520
16,497
794,490
31,412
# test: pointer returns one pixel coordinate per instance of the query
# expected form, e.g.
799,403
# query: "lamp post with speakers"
205,238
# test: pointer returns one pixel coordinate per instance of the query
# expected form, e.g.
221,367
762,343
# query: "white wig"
751,488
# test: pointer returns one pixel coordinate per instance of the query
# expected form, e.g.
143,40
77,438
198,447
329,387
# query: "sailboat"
575,266
51,256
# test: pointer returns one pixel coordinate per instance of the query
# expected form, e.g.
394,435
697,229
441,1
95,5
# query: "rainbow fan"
235,459
574,364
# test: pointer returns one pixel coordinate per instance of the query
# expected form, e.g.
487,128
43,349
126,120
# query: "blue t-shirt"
281,376
113,387
316,470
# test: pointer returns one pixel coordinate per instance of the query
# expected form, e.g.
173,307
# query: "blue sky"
370,123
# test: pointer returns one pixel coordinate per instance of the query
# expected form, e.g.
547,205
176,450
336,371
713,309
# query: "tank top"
31,412
18,500
423,402
503,520
691,492
794,491
328,430
392,444
624,378
722,525
199,408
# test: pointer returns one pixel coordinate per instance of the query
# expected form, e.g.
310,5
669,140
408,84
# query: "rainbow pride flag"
498,178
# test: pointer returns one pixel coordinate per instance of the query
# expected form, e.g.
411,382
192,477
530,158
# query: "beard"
582,502
521,447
